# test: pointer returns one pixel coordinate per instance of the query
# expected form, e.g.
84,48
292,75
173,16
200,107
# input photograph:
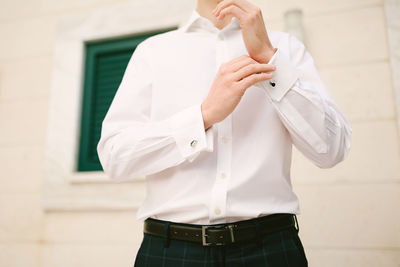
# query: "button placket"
217,211
219,191
220,36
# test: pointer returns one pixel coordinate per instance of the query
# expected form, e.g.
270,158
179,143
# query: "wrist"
206,117
268,54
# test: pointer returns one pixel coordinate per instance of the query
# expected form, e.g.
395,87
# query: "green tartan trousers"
277,249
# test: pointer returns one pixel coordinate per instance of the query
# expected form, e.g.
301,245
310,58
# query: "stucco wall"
350,213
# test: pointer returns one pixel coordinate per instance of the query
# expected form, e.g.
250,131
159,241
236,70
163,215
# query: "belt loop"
258,233
166,234
297,224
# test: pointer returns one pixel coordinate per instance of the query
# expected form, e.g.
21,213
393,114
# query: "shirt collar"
197,22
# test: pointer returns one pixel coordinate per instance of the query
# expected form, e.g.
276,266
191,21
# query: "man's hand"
230,84
254,33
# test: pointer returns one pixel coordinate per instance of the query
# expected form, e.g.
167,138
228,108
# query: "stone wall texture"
350,213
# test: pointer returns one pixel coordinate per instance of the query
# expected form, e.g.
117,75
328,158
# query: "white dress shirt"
240,167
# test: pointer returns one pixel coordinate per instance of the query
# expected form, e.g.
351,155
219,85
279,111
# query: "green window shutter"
105,64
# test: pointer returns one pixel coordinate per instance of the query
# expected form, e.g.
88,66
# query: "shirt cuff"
284,76
189,133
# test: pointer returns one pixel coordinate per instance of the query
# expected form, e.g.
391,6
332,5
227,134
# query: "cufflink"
193,143
272,83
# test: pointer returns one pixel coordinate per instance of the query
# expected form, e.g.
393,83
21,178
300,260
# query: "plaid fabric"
278,249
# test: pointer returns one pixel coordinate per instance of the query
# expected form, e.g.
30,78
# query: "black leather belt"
221,234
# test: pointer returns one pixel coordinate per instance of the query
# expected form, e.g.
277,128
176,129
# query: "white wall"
350,215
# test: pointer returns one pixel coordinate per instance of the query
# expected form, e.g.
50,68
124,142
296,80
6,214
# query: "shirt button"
217,211
193,143
223,175
272,84
224,140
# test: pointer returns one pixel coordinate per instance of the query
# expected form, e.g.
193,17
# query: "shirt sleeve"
132,144
317,127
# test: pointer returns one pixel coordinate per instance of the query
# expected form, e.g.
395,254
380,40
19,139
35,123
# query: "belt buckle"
204,234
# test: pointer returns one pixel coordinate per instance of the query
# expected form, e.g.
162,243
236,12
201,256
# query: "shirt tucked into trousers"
237,169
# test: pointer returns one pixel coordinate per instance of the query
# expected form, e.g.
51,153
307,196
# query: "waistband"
222,233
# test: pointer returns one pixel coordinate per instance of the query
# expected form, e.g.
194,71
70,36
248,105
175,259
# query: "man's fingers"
237,59
246,63
234,10
237,63
246,5
254,78
252,69
242,4
241,62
